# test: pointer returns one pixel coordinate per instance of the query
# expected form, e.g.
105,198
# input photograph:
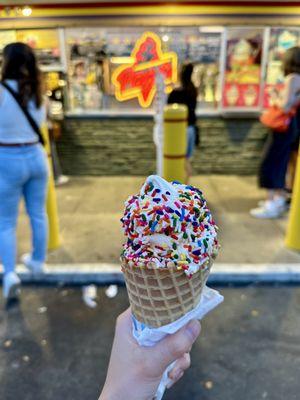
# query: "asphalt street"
53,346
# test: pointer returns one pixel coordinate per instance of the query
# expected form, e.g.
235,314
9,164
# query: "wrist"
114,391
130,391
107,394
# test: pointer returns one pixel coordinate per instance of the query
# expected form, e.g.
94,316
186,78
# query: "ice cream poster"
137,79
243,69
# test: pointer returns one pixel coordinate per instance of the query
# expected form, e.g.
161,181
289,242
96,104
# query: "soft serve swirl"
168,225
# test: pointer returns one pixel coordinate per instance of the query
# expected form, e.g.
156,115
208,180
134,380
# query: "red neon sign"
137,79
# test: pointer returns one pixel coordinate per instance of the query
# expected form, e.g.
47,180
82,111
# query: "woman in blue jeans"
23,163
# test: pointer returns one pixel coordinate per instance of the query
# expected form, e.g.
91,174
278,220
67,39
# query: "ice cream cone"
159,296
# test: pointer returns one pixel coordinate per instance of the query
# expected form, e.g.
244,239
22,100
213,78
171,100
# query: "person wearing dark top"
187,94
279,146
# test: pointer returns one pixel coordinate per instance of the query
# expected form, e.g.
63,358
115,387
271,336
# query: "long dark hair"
291,61
19,63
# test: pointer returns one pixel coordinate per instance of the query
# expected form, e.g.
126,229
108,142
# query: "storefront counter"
123,145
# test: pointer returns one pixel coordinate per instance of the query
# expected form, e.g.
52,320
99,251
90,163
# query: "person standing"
23,161
187,94
279,146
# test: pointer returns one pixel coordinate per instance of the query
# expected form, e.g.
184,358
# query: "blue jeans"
23,172
191,141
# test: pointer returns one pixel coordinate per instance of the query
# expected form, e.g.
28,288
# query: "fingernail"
193,328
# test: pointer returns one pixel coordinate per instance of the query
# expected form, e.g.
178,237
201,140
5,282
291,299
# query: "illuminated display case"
243,69
6,37
48,45
236,68
94,54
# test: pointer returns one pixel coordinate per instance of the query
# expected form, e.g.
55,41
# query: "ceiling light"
27,11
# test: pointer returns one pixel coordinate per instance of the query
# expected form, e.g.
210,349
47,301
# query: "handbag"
29,118
277,119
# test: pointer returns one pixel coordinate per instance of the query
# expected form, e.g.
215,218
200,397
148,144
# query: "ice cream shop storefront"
100,63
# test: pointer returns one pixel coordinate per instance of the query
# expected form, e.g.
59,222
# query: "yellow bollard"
175,142
292,239
54,238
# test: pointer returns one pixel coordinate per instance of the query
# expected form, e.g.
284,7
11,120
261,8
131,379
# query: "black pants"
276,156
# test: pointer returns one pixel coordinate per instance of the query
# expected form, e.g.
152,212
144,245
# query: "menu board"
281,39
95,53
86,53
45,42
243,68
205,54
206,48
6,37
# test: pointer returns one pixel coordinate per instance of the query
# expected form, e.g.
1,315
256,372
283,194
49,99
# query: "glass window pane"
281,39
46,44
243,68
95,53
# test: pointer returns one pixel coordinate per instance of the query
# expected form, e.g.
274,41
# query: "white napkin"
146,336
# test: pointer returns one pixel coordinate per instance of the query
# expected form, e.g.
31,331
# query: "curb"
104,273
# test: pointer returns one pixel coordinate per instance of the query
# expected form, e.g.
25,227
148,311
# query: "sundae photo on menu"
243,68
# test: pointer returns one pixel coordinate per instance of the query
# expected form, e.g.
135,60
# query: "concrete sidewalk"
53,347
90,209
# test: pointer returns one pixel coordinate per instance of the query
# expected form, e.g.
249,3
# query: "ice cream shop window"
47,44
280,40
94,55
243,69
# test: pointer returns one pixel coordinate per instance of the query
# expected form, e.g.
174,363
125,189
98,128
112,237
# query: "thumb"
174,346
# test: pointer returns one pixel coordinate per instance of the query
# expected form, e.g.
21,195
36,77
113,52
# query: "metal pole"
292,239
53,222
175,142
158,132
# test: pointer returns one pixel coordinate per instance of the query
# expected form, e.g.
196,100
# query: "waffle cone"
161,296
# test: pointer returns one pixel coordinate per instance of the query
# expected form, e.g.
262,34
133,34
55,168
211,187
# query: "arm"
171,98
289,96
1,95
194,100
134,371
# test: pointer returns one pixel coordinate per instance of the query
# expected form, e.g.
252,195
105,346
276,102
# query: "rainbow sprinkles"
168,225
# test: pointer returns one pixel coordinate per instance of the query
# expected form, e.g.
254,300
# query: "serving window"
47,44
280,40
236,69
243,69
94,54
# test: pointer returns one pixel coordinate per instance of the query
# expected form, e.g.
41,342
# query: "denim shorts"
191,141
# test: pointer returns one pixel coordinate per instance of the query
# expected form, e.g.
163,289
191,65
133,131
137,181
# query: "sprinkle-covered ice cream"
168,225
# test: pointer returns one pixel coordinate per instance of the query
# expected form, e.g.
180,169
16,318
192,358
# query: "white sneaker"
270,209
36,267
11,285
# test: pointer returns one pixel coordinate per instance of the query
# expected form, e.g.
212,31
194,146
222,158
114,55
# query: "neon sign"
137,79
